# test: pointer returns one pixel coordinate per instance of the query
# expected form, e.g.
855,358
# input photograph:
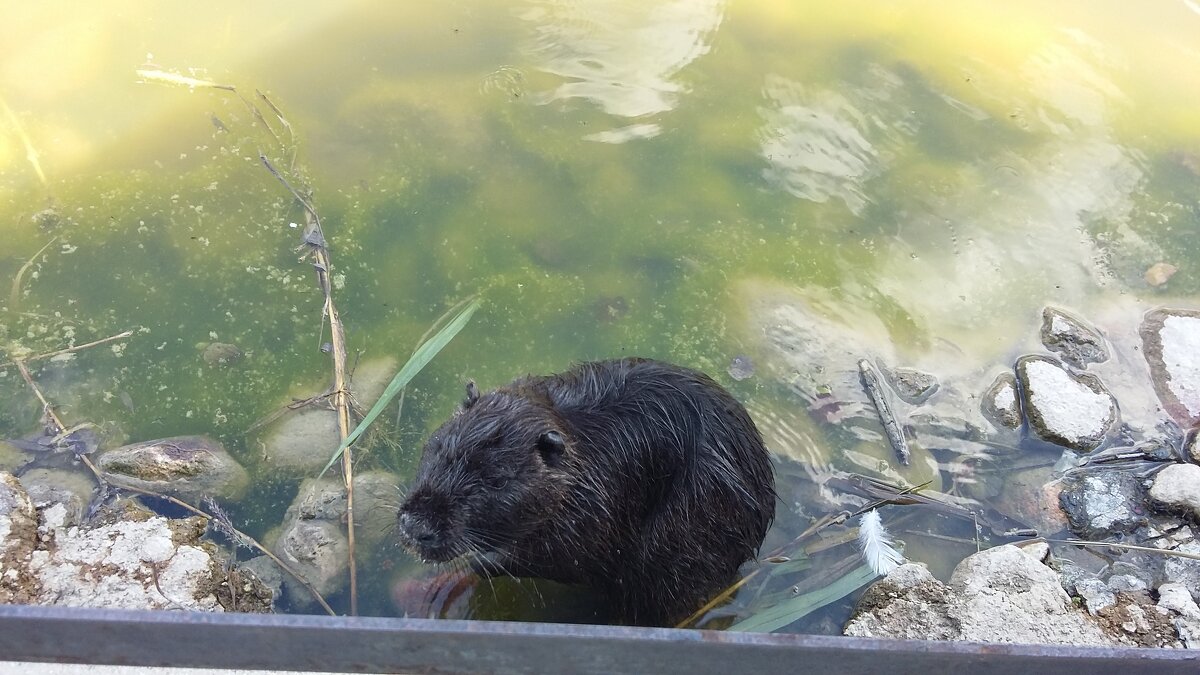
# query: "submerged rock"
911,385
741,368
1000,404
1074,411
70,489
1068,336
318,551
1159,273
375,502
303,441
1103,503
998,595
220,354
1171,344
1178,486
184,466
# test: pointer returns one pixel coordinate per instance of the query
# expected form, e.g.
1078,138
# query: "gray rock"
1068,336
72,489
184,466
1191,447
221,354
267,572
1000,404
1032,497
998,595
376,496
1074,411
1185,571
1171,345
1096,594
1175,599
318,551
911,385
302,441
1102,503
1126,583
1178,486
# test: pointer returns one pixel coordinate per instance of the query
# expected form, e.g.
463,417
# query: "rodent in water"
641,479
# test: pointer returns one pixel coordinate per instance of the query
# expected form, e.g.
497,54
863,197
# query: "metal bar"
382,645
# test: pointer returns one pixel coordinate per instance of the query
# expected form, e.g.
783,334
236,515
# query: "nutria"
641,479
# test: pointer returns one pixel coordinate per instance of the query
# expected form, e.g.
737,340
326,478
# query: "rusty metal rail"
381,645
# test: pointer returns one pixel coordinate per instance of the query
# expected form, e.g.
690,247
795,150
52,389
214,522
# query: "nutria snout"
642,479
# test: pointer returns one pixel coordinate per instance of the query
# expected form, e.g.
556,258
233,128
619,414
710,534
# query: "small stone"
911,385
1160,273
317,551
221,354
1171,345
1068,336
1126,583
741,368
1096,595
1178,486
1102,504
999,402
1032,498
71,489
1038,550
1074,411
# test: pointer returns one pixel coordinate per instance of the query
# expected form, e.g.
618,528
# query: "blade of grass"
419,359
796,608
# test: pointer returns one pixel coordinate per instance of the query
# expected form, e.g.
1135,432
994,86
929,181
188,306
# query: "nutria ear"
551,446
472,395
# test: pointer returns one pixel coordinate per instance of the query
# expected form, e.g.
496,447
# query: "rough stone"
18,538
1096,594
1126,583
267,572
741,368
154,563
1068,336
1185,571
72,489
911,385
1171,345
318,551
375,499
1103,503
184,466
1191,447
1074,411
1000,404
998,595
1178,486
302,441
1175,598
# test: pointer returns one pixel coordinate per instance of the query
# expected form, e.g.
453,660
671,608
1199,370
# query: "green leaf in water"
796,608
419,359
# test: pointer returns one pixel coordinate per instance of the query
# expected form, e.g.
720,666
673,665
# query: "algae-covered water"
611,177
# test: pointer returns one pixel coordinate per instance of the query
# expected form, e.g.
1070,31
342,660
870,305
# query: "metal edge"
366,644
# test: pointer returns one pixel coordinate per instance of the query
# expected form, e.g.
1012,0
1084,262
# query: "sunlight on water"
769,191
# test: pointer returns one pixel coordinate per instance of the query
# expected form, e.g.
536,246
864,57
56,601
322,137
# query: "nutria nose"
417,530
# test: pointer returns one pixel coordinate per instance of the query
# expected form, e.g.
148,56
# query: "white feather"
877,546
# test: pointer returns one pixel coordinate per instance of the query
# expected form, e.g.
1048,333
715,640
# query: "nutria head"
489,478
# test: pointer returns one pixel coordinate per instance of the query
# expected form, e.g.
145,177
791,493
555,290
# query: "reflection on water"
794,184
624,56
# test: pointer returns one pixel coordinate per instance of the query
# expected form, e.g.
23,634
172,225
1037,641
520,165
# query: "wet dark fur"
641,479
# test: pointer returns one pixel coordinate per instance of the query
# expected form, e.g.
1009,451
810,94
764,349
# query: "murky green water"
612,177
